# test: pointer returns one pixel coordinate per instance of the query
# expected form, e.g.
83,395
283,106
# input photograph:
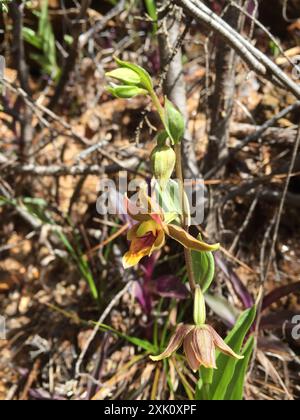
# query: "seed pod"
163,159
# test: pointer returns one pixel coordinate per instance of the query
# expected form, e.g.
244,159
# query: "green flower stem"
185,217
207,377
159,107
179,175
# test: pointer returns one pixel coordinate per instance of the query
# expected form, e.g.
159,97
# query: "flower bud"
125,76
125,92
199,307
163,159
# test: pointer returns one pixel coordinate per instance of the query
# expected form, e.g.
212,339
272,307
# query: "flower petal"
146,227
187,240
132,233
190,352
175,342
159,242
222,346
131,259
203,342
158,218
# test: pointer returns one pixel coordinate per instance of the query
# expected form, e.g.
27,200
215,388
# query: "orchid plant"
221,364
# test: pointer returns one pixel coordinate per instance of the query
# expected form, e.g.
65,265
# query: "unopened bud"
125,76
199,307
125,92
163,159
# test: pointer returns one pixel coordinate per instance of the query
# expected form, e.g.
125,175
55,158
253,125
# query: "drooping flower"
199,344
149,234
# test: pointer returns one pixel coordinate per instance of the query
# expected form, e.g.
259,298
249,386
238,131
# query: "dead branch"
253,137
256,60
174,83
16,10
223,96
273,135
73,53
64,170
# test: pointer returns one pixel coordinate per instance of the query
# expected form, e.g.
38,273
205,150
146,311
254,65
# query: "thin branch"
256,60
64,170
173,79
16,12
98,325
222,99
282,202
253,137
72,57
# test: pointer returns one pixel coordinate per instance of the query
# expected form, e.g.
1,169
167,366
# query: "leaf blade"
226,366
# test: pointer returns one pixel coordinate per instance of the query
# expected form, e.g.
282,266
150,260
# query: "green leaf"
235,391
126,92
151,9
144,344
82,264
146,81
152,12
223,308
175,122
162,138
44,40
126,76
205,380
68,39
226,365
204,268
31,37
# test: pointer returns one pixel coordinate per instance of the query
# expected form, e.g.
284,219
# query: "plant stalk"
185,216
179,176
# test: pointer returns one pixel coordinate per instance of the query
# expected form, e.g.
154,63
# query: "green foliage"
152,12
126,76
145,78
275,50
4,5
143,344
135,80
125,92
80,261
174,121
228,379
235,391
222,307
204,268
43,40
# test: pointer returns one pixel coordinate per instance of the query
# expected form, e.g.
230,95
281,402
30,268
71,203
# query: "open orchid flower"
149,234
199,343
